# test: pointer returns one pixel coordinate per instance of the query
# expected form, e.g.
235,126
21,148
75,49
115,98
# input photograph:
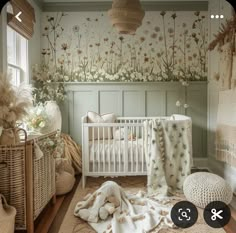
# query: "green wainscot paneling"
138,99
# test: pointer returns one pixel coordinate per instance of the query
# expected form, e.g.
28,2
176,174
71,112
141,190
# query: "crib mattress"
102,151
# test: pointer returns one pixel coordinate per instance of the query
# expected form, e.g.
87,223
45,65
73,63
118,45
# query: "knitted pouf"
201,188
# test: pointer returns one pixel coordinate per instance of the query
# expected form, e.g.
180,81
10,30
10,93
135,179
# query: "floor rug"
72,224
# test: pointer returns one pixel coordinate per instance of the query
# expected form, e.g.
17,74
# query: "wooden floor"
51,219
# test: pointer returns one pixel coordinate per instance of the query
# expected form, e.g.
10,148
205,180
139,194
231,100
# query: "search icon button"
184,214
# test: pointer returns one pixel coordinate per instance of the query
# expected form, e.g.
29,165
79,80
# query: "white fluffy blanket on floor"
133,213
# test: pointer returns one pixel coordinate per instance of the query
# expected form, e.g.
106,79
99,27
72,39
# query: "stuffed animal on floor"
100,204
106,210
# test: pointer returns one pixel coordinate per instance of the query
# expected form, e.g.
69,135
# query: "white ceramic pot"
54,117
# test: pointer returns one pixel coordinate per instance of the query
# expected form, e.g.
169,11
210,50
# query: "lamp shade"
126,15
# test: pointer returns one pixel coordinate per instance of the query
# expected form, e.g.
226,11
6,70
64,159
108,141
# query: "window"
17,57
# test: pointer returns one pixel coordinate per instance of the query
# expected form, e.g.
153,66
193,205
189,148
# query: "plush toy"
101,204
106,210
84,214
109,207
103,213
112,199
131,137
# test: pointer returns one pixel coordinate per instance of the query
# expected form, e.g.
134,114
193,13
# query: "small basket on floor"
7,216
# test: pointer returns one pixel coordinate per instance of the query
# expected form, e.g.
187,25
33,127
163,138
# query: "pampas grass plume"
14,101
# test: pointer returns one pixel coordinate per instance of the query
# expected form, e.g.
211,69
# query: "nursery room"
117,116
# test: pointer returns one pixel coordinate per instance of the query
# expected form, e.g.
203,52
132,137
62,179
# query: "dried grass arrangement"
226,33
72,152
14,105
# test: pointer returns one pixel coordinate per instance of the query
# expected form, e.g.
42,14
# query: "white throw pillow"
94,117
118,133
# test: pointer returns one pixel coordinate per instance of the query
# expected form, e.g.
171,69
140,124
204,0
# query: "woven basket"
9,136
7,216
13,162
64,183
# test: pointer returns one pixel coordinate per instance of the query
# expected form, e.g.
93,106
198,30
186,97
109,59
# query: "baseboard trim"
233,202
200,162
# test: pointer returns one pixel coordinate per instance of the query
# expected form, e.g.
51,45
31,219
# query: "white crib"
122,155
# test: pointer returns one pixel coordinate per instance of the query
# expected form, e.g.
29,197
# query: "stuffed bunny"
106,210
100,204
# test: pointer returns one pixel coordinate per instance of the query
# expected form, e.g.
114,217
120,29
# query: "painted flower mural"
167,47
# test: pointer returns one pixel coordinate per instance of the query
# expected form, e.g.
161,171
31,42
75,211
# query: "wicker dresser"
28,181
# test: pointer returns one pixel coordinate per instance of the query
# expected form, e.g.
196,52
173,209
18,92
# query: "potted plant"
36,119
14,104
49,91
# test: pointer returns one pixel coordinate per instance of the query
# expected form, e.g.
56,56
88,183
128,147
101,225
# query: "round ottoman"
201,188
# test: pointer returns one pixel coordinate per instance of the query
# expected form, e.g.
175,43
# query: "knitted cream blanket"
135,213
168,154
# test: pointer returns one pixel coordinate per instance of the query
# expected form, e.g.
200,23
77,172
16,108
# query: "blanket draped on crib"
226,128
168,154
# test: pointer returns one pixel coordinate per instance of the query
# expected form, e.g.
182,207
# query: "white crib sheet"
115,151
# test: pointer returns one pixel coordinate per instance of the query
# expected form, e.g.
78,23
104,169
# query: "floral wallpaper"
83,47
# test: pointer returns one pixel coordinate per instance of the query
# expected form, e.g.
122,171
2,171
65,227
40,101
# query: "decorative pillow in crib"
94,117
118,133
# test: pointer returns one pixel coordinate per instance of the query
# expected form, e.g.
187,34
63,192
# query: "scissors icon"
216,214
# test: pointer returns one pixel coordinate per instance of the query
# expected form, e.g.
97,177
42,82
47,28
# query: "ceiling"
103,5
111,1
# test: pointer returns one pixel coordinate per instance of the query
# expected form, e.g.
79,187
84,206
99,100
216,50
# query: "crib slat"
114,158
119,149
109,148
126,150
142,149
132,155
93,150
103,149
137,133
99,162
86,151
137,158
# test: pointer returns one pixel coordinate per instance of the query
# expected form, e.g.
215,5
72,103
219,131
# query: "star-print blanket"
168,154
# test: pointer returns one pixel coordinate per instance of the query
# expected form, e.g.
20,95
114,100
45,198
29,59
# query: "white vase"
54,117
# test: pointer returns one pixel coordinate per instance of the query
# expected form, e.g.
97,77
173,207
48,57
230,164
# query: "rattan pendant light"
126,15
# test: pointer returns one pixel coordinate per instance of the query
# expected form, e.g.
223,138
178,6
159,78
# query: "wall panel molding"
137,99
39,3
